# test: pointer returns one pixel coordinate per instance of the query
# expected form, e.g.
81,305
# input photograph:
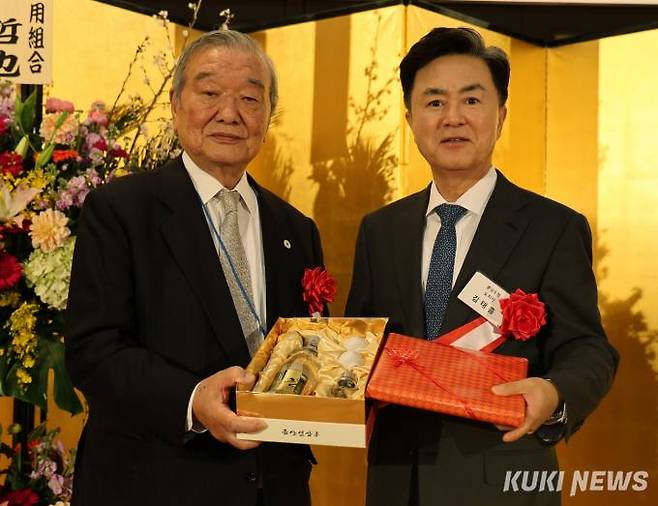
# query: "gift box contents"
447,379
311,380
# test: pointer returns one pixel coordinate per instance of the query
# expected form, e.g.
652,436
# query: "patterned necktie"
230,233
442,265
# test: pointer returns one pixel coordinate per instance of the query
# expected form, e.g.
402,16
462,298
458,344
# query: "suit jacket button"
251,477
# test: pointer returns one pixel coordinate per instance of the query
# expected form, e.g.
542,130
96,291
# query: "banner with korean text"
26,41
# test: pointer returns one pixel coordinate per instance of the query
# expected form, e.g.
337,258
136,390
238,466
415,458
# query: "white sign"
483,295
351,435
26,41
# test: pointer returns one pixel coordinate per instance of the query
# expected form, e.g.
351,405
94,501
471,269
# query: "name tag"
482,295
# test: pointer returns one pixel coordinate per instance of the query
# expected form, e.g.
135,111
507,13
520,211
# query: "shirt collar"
473,200
207,186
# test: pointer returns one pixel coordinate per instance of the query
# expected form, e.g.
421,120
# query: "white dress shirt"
250,232
474,200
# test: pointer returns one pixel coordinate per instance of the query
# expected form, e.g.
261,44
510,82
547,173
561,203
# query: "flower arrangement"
46,171
50,159
45,477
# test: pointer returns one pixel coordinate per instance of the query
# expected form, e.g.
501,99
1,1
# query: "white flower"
13,202
50,274
55,483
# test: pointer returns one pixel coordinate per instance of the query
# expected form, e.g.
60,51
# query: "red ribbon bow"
405,355
409,357
319,288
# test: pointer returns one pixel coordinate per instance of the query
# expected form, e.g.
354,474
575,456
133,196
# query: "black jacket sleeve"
104,355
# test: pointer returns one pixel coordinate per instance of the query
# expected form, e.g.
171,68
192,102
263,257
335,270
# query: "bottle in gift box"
346,384
299,374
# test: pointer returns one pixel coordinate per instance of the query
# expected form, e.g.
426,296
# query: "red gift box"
447,379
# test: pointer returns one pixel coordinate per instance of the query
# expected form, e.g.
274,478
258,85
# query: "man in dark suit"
178,273
414,257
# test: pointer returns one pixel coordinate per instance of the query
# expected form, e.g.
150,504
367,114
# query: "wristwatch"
560,414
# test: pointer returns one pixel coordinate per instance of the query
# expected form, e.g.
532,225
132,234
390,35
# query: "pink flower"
97,114
7,99
77,189
98,117
64,201
93,177
65,134
95,141
57,105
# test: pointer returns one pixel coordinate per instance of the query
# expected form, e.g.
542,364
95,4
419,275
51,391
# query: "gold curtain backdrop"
580,129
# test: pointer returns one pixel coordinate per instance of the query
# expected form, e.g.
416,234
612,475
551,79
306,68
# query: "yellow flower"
9,299
23,318
48,230
120,172
21,340
23,377
37,178
21,325
2,352
24,342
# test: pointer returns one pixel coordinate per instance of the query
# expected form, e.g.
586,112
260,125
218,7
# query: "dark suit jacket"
149,316
523,241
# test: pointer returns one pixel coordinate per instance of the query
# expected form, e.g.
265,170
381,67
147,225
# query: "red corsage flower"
11,163
319,288
10,270
523,315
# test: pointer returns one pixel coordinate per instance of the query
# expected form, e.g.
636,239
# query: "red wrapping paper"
447,379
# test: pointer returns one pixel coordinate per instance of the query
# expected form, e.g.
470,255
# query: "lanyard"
225,252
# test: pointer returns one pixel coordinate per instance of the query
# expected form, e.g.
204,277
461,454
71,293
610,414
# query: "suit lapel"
281,294
408,228
500,228
186,232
